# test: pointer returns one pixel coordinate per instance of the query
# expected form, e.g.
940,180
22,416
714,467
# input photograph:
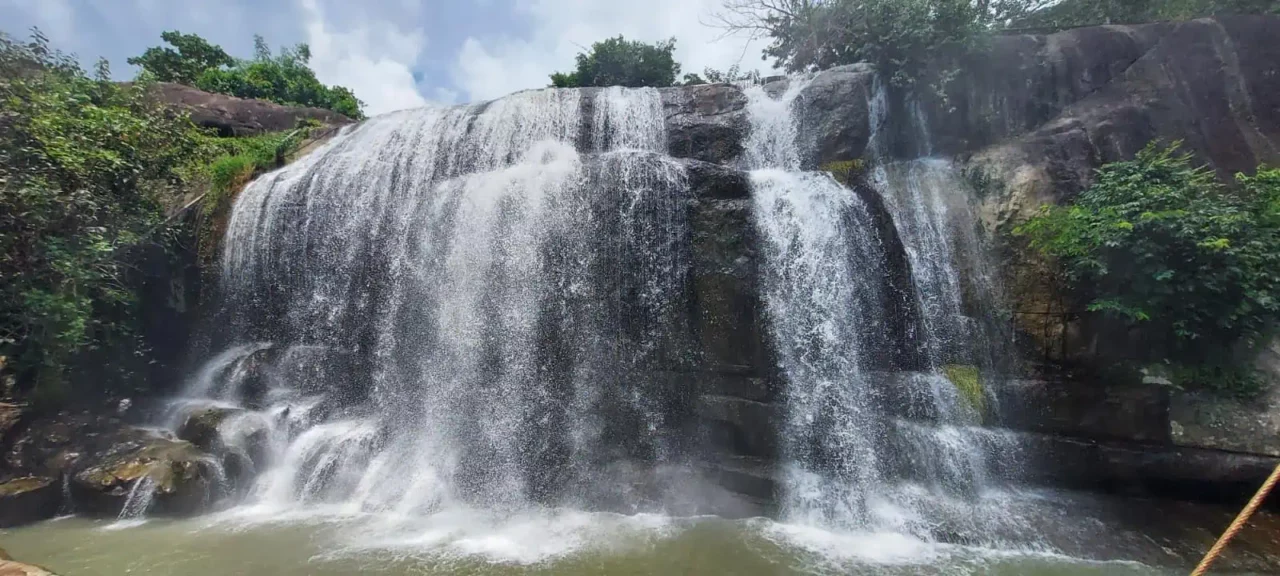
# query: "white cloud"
491,67
373,59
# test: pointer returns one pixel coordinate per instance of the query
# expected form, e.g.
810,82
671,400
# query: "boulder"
707,122
183,478
232,116
50,445
833,114
201,428
28,499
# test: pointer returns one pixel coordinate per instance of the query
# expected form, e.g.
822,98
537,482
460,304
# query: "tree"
85,167
285,78
901,37
1161,244
193,56
622,62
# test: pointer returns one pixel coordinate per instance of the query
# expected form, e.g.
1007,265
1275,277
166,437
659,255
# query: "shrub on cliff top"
622,62
285,78
1160,243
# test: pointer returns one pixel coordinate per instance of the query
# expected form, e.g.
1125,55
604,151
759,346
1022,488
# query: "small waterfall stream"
852,461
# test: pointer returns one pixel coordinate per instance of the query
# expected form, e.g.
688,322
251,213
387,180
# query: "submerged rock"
182,477
28,499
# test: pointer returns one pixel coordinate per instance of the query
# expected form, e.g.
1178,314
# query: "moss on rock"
968,382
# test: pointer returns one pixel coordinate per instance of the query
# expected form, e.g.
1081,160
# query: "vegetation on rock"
1161,244
1071,13
915,41
968,382
285,78
87,169
621,62
85,166
713,76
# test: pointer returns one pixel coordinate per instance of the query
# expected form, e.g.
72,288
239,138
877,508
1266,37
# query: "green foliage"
193,56
622,62
237,160
85,165
1232,381
1071,13
285,78
1160,243
712,76
968,383
903,38
845,171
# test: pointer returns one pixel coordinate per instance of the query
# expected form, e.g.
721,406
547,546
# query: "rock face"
181,477
28,499
1106,92
232,116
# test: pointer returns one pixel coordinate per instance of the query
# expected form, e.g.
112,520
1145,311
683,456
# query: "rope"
1238,524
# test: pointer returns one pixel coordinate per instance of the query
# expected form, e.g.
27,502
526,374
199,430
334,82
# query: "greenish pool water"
563,542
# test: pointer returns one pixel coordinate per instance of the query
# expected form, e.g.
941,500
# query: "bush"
237,160
85,168
622,62
1161,244
285,78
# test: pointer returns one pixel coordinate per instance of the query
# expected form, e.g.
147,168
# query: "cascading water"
459,301
852,459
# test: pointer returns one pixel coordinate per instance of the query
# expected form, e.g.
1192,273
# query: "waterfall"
865,449
461,304
817,293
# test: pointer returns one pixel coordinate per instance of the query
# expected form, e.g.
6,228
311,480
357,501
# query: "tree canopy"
285,78
621,62
905,39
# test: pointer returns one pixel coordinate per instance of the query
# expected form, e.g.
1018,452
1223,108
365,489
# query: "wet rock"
707,122
833,114
728,312
1144,469
28,499
714,181
202,428
10,416
183,477
241,450
744,427
1085,409
51,444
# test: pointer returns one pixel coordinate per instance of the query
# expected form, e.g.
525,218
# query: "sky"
394,54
